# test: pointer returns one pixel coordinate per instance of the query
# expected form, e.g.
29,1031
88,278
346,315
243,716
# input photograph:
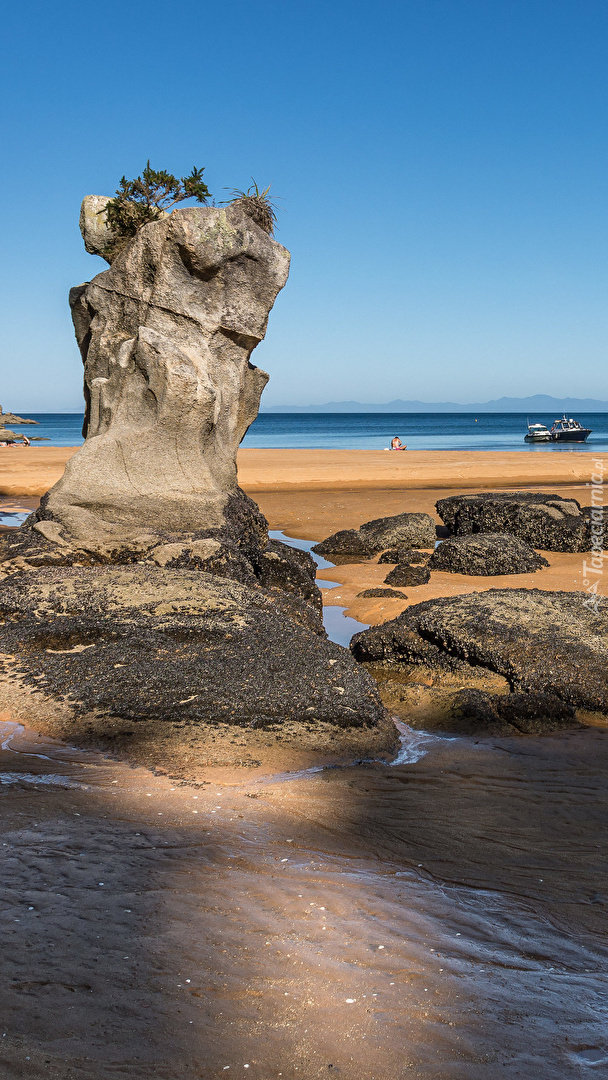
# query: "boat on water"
564,430
537,433
568,430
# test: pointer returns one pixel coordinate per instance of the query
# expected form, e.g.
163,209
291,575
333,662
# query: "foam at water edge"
414,744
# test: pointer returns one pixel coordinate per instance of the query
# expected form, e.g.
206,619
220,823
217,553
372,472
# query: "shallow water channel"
340,627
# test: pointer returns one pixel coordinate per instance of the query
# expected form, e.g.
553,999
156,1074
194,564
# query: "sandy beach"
439,918
32,470
308,494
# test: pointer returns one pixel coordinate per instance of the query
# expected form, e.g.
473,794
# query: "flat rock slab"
398,531
485,554
371,594
180,647
548,522
541,642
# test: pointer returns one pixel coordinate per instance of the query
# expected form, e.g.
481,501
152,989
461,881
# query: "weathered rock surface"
548,522
541,642
486,554
178,647
369,594
404,555
344,542
475,711
400,531
248,560
94,227
166,336
282,567
403,574
145,593
12,418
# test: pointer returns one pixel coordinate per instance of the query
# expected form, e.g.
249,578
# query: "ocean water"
373,431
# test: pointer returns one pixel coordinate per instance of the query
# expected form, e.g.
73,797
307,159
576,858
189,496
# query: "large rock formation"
548,522
143,603
166,335
538,642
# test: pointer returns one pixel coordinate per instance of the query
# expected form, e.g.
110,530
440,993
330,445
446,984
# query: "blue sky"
442,166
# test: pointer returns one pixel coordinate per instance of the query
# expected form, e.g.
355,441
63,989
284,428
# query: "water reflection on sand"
445,917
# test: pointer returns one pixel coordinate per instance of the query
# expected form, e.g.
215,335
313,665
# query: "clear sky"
442,166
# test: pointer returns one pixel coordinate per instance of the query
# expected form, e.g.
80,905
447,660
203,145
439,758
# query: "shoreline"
31,471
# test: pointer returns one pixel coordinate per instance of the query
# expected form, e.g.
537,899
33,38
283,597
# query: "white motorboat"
537,433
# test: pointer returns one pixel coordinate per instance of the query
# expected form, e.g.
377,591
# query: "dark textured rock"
369,594
486,554
548,522
177,646
292,571
404,555
535,713
209,555
541,642
401,531
304,560
344,542
474,711
403,574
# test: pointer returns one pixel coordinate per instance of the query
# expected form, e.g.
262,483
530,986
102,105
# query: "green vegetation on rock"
147,198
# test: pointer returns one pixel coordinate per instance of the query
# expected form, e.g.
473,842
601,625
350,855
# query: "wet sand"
442,918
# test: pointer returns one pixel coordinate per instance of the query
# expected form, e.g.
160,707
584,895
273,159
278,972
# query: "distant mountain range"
538,403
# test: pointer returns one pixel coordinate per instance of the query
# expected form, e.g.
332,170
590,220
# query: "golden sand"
33,470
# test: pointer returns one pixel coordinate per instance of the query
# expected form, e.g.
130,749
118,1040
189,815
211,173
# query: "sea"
371,431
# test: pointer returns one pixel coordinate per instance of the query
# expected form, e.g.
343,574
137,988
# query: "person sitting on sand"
26,441
396,444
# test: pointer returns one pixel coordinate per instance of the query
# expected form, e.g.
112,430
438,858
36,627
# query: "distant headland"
538,403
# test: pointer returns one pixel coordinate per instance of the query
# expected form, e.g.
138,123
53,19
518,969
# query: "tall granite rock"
166,335
161,615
